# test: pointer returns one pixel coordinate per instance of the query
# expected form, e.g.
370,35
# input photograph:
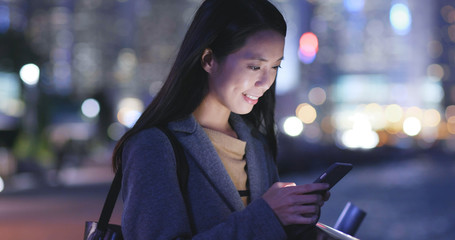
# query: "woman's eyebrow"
262,59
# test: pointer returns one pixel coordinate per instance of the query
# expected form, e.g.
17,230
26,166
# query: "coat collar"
199,146
255,156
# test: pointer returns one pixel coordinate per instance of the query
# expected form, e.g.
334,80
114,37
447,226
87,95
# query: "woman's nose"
266,80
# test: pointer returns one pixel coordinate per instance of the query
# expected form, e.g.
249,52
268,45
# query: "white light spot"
90,108
412,126
130,109
292,126
400,18
2,184
29,74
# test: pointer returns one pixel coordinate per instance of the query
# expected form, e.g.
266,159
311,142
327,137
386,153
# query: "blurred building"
375,82
358,77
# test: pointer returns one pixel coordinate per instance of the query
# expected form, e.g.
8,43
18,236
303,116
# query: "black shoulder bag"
102,230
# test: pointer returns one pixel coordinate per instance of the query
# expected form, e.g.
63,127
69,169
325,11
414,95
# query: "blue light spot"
4,19
400,19
307,59
354,5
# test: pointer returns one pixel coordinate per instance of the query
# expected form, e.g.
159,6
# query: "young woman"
218,101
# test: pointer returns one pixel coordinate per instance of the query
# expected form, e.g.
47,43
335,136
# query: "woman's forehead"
266,47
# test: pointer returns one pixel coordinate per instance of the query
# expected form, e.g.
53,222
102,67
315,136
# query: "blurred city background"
367,82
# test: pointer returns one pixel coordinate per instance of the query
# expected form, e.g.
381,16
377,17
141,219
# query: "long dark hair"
223,26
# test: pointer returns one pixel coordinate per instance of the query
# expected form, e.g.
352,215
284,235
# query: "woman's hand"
294,204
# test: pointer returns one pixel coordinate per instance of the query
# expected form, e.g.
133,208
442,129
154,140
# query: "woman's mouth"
250,99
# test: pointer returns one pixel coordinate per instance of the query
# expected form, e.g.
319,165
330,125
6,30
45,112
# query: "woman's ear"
208,60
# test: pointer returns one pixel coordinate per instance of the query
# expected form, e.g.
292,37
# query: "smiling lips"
250,99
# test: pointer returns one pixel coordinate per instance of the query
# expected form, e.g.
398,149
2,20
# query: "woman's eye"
254,68
276,67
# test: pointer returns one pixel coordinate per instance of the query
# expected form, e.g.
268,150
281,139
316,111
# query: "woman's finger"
327,196
305,199
306,210
302,218
308,188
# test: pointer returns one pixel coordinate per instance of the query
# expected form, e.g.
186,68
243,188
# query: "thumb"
285,184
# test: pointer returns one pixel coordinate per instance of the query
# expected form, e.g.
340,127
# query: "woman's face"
238,82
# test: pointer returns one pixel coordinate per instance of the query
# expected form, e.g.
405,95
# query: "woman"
218,101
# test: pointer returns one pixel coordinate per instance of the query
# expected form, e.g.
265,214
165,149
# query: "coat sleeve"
153,206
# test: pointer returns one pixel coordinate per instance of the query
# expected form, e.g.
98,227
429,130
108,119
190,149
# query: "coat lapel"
255,157
199,146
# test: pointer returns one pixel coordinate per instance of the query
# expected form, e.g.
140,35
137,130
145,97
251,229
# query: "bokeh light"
450,111
446,13
393,113
451,125
376,115
431,118
400,18
130,109
432,92
308,47
354,5
2,184
292,126
412,126
317,96
414,112
115,131
29,74
327,125
306,113
90,108
360,139
361,135
435,49
436,71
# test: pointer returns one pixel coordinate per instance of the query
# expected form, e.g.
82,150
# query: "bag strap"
114,190
109,203
180,160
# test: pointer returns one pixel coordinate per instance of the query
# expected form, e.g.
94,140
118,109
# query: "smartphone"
334,173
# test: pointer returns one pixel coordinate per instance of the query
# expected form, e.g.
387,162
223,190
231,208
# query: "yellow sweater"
231,152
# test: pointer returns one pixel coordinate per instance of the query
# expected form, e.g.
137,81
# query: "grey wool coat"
153,204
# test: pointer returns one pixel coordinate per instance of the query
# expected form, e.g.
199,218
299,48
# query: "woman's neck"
214,117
